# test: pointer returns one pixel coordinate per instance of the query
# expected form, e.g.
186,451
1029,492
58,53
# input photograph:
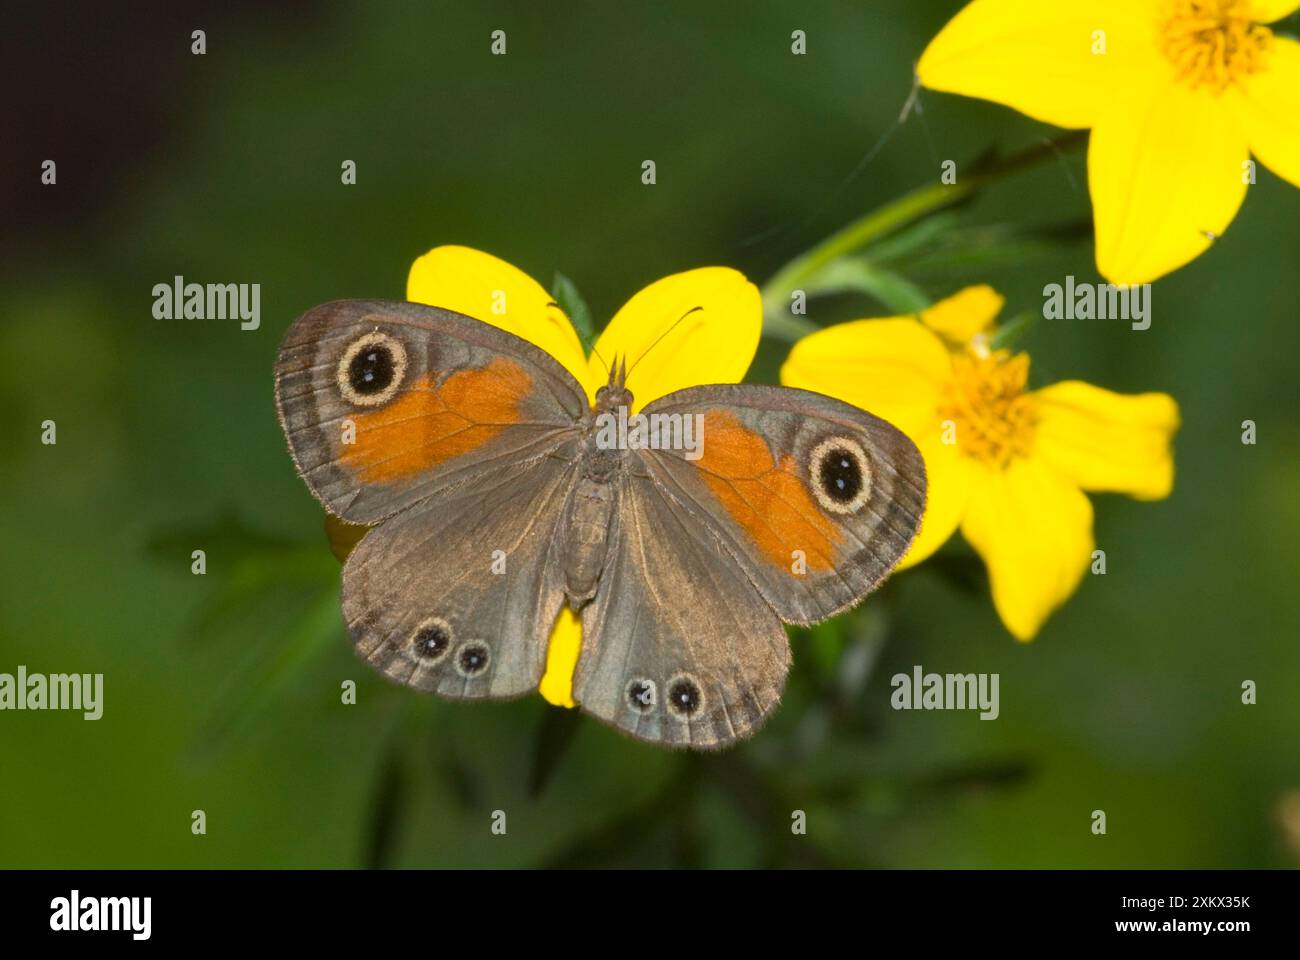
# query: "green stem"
921,202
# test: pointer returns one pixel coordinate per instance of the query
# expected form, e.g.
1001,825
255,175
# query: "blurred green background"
222,692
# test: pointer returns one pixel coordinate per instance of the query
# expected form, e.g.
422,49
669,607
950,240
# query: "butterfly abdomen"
586,528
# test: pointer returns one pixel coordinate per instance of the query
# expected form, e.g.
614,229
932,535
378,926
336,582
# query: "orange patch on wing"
426,426
768,501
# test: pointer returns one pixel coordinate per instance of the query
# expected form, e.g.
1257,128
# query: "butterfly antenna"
660,337
605,363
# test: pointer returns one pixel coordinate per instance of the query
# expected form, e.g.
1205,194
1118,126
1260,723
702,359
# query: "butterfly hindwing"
678,646
457,596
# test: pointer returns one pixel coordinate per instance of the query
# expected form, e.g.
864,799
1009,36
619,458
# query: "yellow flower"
1007,464
714,344
1178,95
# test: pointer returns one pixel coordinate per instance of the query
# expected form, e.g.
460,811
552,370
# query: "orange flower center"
987,404
1213,43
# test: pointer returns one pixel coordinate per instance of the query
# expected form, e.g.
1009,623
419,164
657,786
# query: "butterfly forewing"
386,403
815,499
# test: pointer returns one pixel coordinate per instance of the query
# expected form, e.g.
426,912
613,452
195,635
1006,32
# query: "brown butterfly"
498,495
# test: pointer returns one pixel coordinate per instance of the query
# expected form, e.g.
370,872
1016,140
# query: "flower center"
1213,43
986,401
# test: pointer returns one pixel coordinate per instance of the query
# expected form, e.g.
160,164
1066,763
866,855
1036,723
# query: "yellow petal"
1266,11
714,344
948,478
1037,56
894,368
1267,106
561,659
1033,527
486,288
1108,441
1165,173
964,315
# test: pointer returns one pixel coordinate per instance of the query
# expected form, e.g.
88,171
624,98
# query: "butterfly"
497,493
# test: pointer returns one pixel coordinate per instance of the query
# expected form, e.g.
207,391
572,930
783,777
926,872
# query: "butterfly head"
614,394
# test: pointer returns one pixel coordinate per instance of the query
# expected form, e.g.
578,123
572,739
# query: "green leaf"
386,805
571,302
253,584
979,249
1010,333
895,292
780,324
921,235
225,536
975,778
262,682
894,217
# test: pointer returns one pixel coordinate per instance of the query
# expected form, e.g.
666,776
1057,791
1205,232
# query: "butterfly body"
588,519
497,496
593,505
